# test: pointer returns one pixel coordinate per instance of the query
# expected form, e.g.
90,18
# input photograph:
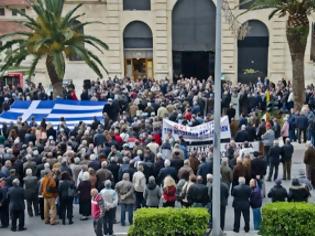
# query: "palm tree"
297,30
51,36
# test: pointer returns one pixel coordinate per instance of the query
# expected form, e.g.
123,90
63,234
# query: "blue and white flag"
73,112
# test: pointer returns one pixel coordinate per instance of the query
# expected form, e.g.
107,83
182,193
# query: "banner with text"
204,149
203,132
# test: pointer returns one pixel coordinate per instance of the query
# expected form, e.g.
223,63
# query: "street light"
216,187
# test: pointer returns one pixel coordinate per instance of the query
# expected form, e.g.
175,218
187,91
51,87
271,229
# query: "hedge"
170,222
288,219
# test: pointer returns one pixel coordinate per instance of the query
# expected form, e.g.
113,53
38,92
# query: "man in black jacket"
241,194
4,205
258,166
286,158
274,159
278,193
167,170
197,194
224,201
16,206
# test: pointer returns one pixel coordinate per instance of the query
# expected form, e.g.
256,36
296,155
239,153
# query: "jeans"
126,208
97,224
32,203
257,218
17,215
266,150
108,221
273,166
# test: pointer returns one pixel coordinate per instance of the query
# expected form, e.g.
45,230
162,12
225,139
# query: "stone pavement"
84,228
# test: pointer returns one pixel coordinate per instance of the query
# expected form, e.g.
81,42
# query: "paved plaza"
35,227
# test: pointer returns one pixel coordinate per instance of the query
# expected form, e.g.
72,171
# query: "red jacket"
169,194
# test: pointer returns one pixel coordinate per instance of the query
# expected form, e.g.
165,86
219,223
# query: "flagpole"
216,187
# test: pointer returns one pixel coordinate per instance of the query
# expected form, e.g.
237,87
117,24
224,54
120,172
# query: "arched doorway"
253,53
138,50
193,38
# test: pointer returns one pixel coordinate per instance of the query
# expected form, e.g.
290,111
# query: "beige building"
165,38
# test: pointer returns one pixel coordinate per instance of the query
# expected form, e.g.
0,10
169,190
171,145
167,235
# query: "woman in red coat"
169,192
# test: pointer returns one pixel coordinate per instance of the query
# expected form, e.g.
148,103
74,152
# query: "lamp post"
216,187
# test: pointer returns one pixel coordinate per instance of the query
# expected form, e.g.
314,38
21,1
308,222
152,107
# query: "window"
245,4
80,29
141,5
14,12
2,13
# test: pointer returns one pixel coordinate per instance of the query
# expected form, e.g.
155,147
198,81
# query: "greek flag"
73,112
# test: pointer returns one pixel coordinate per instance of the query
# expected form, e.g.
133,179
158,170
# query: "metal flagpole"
216,187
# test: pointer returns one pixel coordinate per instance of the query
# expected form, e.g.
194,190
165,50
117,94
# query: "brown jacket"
309,157
194,163
49,187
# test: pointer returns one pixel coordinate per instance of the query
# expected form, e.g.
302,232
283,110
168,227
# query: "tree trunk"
58,91
297,33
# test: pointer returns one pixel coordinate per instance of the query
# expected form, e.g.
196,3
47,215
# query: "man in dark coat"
197,194
4,204
302,124
111,110
309,160
204,168
241,194
16,206
224,201
278,193
274,158
241,135
286,157
167,170
31,193
258,166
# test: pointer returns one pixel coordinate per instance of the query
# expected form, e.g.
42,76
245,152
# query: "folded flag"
73,112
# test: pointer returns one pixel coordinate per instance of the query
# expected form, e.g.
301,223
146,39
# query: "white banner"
204,149
203,132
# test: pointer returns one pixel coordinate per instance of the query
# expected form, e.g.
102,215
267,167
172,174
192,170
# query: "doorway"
139,68
253,53
138,50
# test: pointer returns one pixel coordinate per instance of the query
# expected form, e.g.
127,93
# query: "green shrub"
288,219
170,222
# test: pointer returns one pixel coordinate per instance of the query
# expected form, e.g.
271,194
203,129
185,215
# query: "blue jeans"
256,218
126,208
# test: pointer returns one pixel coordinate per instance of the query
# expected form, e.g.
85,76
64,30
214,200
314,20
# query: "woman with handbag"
66,190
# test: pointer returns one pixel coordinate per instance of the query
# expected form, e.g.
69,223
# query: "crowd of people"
123,161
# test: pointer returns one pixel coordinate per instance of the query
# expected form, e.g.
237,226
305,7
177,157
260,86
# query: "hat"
109,100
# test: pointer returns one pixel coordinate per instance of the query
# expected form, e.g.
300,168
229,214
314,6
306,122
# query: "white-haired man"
31,192
167,170
16,206
241,194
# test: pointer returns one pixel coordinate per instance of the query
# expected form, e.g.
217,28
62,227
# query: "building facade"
169,38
